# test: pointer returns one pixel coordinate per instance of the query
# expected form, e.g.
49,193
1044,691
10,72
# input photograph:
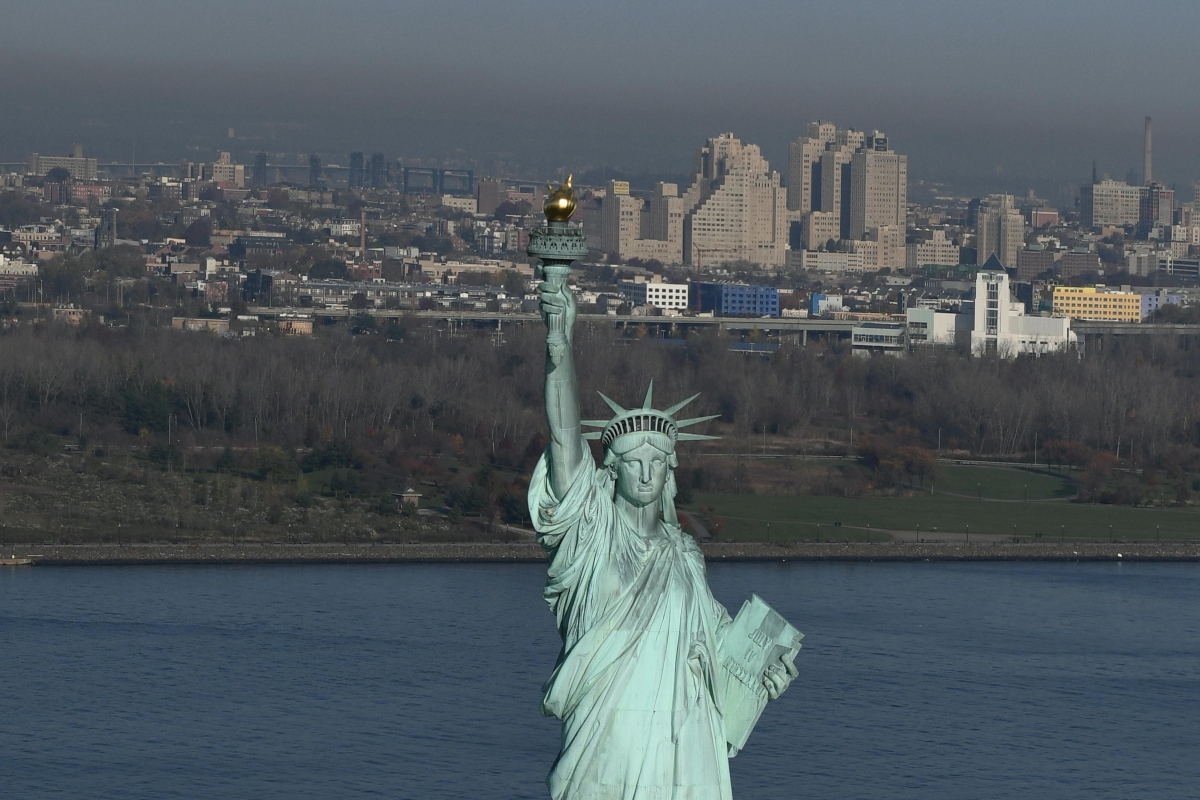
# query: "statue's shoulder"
682,539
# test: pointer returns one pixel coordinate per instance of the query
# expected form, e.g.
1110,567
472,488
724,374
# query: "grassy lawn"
1002,483
758,517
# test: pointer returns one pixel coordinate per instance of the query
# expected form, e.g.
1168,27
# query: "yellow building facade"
1091,302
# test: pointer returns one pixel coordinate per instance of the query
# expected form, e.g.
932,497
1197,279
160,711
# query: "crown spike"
670,412
592,434
594,423
694,437
683,423
649,396
611,403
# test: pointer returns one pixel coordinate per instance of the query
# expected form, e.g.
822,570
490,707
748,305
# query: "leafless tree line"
435,390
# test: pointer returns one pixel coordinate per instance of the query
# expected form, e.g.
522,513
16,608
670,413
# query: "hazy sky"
1001,94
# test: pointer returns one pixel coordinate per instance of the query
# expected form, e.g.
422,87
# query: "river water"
926,681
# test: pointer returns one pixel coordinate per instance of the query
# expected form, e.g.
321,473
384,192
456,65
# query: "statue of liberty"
640,684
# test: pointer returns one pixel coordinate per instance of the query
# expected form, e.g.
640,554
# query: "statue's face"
642,474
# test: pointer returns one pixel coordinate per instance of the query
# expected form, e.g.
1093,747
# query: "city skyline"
1029,98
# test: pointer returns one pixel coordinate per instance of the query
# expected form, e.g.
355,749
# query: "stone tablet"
758,638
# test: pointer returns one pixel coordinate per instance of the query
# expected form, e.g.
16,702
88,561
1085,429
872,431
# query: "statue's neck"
643,519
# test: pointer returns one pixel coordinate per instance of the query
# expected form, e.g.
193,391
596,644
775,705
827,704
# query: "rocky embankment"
261,553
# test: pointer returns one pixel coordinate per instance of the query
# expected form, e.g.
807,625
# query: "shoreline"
497,553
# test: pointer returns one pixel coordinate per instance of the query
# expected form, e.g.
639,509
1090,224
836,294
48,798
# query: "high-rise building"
999,231
632,229
260,170
358,171
622,215
804,167
491,193
736,208
377,172
835,184
878,187
80,168
1156,207
314,170
662,226
1110,203
227,173
1147,156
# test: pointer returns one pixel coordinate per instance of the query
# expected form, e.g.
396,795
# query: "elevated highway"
785,326
1089,332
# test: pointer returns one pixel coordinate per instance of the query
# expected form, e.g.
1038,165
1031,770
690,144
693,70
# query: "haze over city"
462,398
986,97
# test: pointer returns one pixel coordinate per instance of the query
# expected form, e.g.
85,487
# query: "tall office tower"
835,185
377,171
1000,230
835,176
622,216
664,217
1110,203
1147,161
357,171
804,167
260,170
878,187
1156,208
736,207
314,170
490,193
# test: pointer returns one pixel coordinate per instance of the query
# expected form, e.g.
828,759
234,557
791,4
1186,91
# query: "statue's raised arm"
557,244
562,388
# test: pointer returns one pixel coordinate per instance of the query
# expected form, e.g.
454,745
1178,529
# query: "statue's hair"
631,441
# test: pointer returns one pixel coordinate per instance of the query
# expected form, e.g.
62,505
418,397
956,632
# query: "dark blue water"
929,681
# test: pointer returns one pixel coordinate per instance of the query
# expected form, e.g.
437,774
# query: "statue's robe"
635,684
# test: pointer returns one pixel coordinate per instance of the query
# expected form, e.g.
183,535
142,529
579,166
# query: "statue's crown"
645,420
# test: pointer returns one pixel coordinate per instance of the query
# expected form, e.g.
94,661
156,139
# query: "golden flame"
560,205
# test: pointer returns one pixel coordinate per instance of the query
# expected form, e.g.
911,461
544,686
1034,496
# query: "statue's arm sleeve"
571,516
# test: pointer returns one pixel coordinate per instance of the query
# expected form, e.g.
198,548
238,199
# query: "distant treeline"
480,399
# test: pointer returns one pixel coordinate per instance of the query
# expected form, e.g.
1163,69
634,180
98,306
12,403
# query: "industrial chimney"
1147,164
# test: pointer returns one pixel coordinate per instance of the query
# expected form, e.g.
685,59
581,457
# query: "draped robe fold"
635,683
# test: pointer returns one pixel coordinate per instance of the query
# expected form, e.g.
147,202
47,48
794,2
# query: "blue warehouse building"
736,299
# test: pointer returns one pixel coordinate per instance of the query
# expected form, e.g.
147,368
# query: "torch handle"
556,275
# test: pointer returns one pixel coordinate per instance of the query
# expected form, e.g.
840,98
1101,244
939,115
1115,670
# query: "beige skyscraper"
622,219
631,229
1000,230
736,208
803,155
835,176
878,187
